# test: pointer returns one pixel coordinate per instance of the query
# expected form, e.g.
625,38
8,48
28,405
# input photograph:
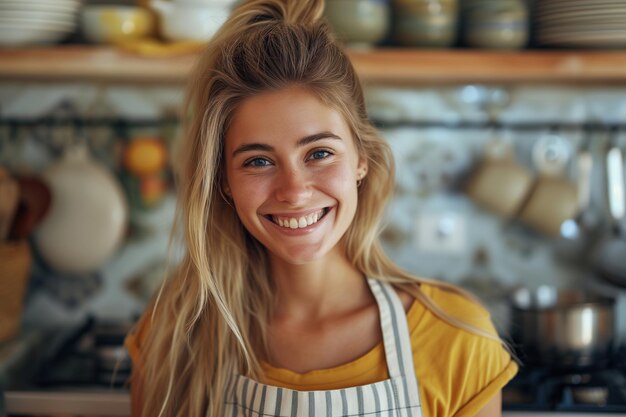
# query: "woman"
284,303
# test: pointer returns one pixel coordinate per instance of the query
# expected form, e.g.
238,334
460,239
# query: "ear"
361,169
225,189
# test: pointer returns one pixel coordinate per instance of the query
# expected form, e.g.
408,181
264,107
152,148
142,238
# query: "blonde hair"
210,317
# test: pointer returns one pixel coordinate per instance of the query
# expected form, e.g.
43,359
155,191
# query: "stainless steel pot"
563,328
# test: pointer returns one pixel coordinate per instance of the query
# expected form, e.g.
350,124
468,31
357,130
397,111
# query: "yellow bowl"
113,24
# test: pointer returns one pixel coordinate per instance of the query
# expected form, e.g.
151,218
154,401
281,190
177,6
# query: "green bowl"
359,23
501,24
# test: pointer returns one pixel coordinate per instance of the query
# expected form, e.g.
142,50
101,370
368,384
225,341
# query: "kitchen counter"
105,403
114,403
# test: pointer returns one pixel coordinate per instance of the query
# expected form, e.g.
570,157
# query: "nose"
293,186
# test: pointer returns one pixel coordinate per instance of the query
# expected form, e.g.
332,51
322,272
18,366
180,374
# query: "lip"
299,231
297,214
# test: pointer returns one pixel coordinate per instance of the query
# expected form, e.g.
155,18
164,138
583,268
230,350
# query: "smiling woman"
284,303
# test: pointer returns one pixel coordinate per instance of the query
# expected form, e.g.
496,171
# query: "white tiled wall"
432,162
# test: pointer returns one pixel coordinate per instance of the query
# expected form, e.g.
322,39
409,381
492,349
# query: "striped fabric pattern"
397,396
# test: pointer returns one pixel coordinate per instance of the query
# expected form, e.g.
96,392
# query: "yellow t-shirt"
458,372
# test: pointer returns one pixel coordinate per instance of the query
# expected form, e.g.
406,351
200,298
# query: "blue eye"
257,162
320,154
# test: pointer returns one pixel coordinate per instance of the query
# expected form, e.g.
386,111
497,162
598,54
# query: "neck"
319,289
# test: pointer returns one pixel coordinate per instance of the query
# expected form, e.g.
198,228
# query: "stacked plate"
582,23
36,22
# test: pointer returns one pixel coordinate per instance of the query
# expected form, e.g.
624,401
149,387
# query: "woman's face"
292,170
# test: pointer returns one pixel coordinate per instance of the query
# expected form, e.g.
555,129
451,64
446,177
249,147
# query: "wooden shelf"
462,66
392,66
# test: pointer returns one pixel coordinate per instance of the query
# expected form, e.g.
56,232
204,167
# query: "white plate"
16,37
42,3
38,15
568,4
597,40
32,6
37,23
563,17
574,28
606,34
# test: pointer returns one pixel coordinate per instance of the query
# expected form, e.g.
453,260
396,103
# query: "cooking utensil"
574,232
610,254
15,267
88,216
563,328
34,202
9,196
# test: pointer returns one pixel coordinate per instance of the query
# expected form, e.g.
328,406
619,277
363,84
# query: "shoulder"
454,304
459,367
135,340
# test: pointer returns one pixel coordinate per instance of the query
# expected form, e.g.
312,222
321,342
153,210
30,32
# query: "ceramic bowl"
431,23
426,7
190,22
359,23
501,24
223,3
110,24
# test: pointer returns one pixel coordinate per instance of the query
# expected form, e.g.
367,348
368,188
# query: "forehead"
282,115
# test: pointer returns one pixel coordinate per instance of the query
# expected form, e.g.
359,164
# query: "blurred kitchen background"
506,118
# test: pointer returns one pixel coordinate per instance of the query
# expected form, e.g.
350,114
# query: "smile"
299,222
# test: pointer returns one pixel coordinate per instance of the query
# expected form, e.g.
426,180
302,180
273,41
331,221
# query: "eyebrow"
301,142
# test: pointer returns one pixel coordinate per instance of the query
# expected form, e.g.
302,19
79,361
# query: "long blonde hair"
210,317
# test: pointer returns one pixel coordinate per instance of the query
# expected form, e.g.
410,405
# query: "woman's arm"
493,408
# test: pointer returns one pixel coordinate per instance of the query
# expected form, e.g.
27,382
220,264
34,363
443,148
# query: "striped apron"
397,396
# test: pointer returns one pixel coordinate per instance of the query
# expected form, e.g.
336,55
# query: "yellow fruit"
145,156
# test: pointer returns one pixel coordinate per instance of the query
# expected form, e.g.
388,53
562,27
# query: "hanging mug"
500,183
554,198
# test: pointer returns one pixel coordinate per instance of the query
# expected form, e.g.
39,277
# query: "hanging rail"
423,124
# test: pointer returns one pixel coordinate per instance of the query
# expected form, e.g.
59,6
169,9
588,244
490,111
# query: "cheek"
341,180
246,194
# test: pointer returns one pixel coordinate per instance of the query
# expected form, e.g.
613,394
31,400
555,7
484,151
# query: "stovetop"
91,356
595,389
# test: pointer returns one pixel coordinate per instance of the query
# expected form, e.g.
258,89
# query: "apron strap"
395,330
398,347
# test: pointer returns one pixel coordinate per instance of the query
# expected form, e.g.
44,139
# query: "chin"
300,256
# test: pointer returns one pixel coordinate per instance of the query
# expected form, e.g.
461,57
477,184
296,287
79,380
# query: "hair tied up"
291,12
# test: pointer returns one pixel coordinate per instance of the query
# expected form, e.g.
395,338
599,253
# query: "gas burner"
91,355
590,395
537,388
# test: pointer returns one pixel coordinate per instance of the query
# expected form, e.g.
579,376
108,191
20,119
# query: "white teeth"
298,223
